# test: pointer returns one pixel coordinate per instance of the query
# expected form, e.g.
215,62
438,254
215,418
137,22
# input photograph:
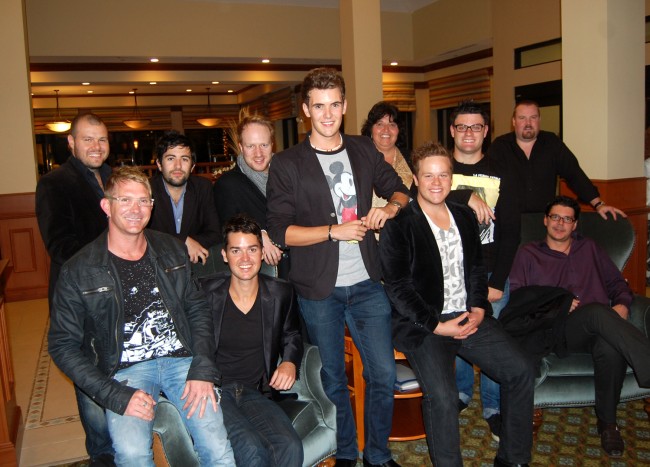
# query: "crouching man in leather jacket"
127,323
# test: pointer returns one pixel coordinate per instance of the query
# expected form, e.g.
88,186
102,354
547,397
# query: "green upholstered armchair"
568,382
312,414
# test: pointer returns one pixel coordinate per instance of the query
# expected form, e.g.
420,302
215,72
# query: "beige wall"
174,28
451,25
517,23
17,155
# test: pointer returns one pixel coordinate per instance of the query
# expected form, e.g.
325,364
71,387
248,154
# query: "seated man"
256,322
435,278
597,320
127,322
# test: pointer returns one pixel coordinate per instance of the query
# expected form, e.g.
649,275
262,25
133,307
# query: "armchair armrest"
310,387
640,314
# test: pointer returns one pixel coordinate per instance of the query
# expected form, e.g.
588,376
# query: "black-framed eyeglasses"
565,219
125,201
475,128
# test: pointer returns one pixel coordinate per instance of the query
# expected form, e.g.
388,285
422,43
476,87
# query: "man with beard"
536,158
184,205
69,217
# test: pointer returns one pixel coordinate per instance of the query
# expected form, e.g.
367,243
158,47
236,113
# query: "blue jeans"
260,432
133,437
93,420
499,356
365,309
490,391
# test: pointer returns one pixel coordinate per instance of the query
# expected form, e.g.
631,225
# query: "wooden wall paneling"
21,244
629,195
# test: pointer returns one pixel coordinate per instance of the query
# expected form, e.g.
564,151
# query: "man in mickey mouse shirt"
334,257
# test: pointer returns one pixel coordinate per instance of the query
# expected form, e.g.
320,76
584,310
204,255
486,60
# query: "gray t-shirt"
337,170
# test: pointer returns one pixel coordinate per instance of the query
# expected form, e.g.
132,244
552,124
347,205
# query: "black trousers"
613,343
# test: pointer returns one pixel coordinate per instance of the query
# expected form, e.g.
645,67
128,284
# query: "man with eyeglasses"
184,203
129,322
69,217
597,320
499,239
535,158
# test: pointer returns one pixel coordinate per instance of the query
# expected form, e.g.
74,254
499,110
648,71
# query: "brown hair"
429,149
322,78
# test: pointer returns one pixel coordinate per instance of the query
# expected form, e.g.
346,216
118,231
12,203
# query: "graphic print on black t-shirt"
148,329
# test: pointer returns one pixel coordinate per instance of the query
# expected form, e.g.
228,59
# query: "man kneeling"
434,276
256,322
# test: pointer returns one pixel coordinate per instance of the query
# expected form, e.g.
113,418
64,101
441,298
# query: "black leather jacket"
86,336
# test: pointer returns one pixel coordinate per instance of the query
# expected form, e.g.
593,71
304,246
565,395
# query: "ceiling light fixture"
266,60
393,63
154,60
59,125
210,120
136,122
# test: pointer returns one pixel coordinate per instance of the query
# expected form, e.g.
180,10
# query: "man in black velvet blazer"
256,324
435,278
69,217
183,203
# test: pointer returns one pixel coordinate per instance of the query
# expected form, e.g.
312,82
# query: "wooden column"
603,76
361,59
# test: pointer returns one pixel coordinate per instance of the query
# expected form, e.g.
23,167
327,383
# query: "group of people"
128,320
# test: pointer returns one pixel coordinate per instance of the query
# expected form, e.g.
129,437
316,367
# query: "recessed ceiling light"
188,90
152,82
393,63
131,92
153,60
215,82
230,90
266,60
89,92
85,84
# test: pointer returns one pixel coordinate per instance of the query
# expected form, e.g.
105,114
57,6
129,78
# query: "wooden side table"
407,411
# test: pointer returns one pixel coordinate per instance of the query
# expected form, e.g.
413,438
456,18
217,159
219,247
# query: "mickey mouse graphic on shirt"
342,184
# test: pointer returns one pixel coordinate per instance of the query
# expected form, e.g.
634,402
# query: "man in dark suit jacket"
69,217
435,278
183,203
256,323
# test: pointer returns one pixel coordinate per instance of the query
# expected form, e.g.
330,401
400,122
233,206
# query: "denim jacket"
86,336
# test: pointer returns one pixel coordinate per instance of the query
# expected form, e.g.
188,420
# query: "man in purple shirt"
597,321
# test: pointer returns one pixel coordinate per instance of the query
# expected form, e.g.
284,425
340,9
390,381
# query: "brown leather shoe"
610,439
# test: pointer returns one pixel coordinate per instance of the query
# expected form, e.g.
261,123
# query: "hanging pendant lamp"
59,124
136,121
210,120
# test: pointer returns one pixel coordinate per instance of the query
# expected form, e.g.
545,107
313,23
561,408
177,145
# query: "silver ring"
204,397
144,404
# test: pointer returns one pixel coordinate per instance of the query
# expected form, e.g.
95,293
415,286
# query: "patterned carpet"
567,438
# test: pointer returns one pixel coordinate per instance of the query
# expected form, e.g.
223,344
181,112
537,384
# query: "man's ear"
415,180
223,254
305,108
158,164
105,204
